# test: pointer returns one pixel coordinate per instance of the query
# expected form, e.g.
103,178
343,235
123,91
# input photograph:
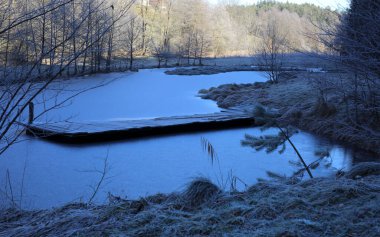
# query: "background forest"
88,36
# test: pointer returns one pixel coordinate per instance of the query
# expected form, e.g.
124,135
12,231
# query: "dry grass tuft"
200,191
324,109
364,169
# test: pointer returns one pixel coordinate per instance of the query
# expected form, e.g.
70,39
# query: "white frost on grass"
317,207
315,70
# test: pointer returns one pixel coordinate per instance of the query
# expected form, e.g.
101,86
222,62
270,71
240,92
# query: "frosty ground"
345,205
297,97
335,206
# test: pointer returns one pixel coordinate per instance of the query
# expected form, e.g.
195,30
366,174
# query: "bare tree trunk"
144,12
43,38
62,60
110,41
88,32
74,41
7,49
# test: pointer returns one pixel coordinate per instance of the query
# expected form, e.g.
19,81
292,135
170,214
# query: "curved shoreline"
210,70
297,100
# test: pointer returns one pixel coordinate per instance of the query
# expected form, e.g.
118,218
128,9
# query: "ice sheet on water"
56,174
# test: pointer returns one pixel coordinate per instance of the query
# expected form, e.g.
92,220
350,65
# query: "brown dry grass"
302,105
317,207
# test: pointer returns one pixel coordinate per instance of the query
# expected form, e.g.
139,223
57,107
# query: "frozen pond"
146,94
56,174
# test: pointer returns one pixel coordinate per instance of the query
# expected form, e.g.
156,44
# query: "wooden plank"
69,132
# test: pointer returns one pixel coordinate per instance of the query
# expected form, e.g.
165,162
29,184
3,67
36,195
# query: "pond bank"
332,206
210,70
298,100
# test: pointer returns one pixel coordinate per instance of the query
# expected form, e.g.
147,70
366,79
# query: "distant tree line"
182,30
296,23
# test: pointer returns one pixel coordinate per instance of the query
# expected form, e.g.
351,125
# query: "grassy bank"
334,206
306,100
304,60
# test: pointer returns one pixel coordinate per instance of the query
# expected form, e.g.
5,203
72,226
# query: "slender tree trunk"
43,37
74,41
110,41
7,49
144,10
62,60
87,39
131,58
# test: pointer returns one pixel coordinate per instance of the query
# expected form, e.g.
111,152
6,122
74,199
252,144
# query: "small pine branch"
273,142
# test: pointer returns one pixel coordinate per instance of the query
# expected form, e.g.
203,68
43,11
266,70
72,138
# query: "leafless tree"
44,33
132,35
272,49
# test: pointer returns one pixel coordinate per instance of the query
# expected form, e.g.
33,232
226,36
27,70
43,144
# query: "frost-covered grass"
291,62
332,206
304,60
298,100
